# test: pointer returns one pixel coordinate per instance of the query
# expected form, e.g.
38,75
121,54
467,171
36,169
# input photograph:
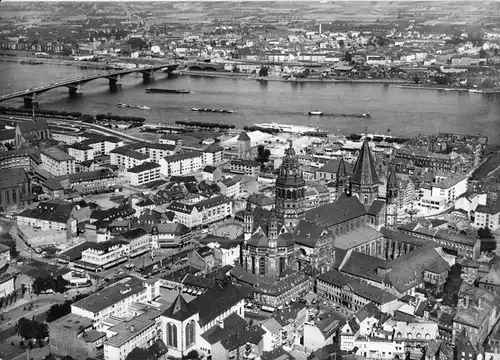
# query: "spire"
342,170
392,181
364,168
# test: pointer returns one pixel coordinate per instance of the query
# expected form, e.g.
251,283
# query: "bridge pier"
75,90
115,82
148,76
30,101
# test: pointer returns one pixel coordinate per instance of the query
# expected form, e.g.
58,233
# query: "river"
406,112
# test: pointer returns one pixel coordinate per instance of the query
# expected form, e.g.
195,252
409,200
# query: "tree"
452,285
236,69
263,72
483,54
32,329
416,79
341,43
441,79
262,154
484,233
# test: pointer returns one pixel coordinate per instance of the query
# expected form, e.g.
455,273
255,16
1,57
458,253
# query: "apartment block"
144,173
57,162
182,164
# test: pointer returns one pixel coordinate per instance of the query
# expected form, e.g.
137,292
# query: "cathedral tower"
342,183
290,190
248,222
364,179
272,238
391,199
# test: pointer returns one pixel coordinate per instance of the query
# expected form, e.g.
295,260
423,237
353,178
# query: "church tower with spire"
248,222
364,179
290,190
391,199
342,183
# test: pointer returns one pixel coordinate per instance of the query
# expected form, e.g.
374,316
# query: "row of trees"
42,112
43,284
109,116
9,299
206,125
257,128
357,137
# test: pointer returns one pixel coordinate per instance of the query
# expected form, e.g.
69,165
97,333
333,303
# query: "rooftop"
343,209
56,154
356,237
111,295
143,167
125,330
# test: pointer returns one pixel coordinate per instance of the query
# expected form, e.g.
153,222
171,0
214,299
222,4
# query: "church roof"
178,310
32,126
364,169
307,233
243,136
259,239
343,209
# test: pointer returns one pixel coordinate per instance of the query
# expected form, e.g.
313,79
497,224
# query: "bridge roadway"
74,85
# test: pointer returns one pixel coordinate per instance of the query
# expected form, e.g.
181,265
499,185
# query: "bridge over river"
75,85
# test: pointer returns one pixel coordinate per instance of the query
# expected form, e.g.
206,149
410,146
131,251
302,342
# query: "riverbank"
51,61
254,77
441,88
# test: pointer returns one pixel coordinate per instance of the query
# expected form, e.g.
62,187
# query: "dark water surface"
405,112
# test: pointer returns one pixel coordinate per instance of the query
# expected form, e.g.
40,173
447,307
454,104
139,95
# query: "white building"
126,158
450,188
182,164
143,173
57,162
155,151
230,187
102,144
487,216
116,299
124,336
139,241
213,155
470,203
81,152
204,212
104,255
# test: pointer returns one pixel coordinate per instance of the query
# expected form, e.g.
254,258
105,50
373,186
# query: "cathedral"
290,237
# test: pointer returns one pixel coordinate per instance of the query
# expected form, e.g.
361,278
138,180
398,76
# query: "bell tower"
248,222
272,238
364,179
391,199
290,190
342,183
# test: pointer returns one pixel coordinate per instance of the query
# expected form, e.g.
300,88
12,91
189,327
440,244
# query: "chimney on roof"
132,328
466,301
479,303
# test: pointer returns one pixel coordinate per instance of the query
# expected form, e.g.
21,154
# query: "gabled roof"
178,310
364,168
343,209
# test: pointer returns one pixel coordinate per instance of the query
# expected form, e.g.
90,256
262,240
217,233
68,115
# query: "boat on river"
140,107
167,91
316,112
294,129
222,111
